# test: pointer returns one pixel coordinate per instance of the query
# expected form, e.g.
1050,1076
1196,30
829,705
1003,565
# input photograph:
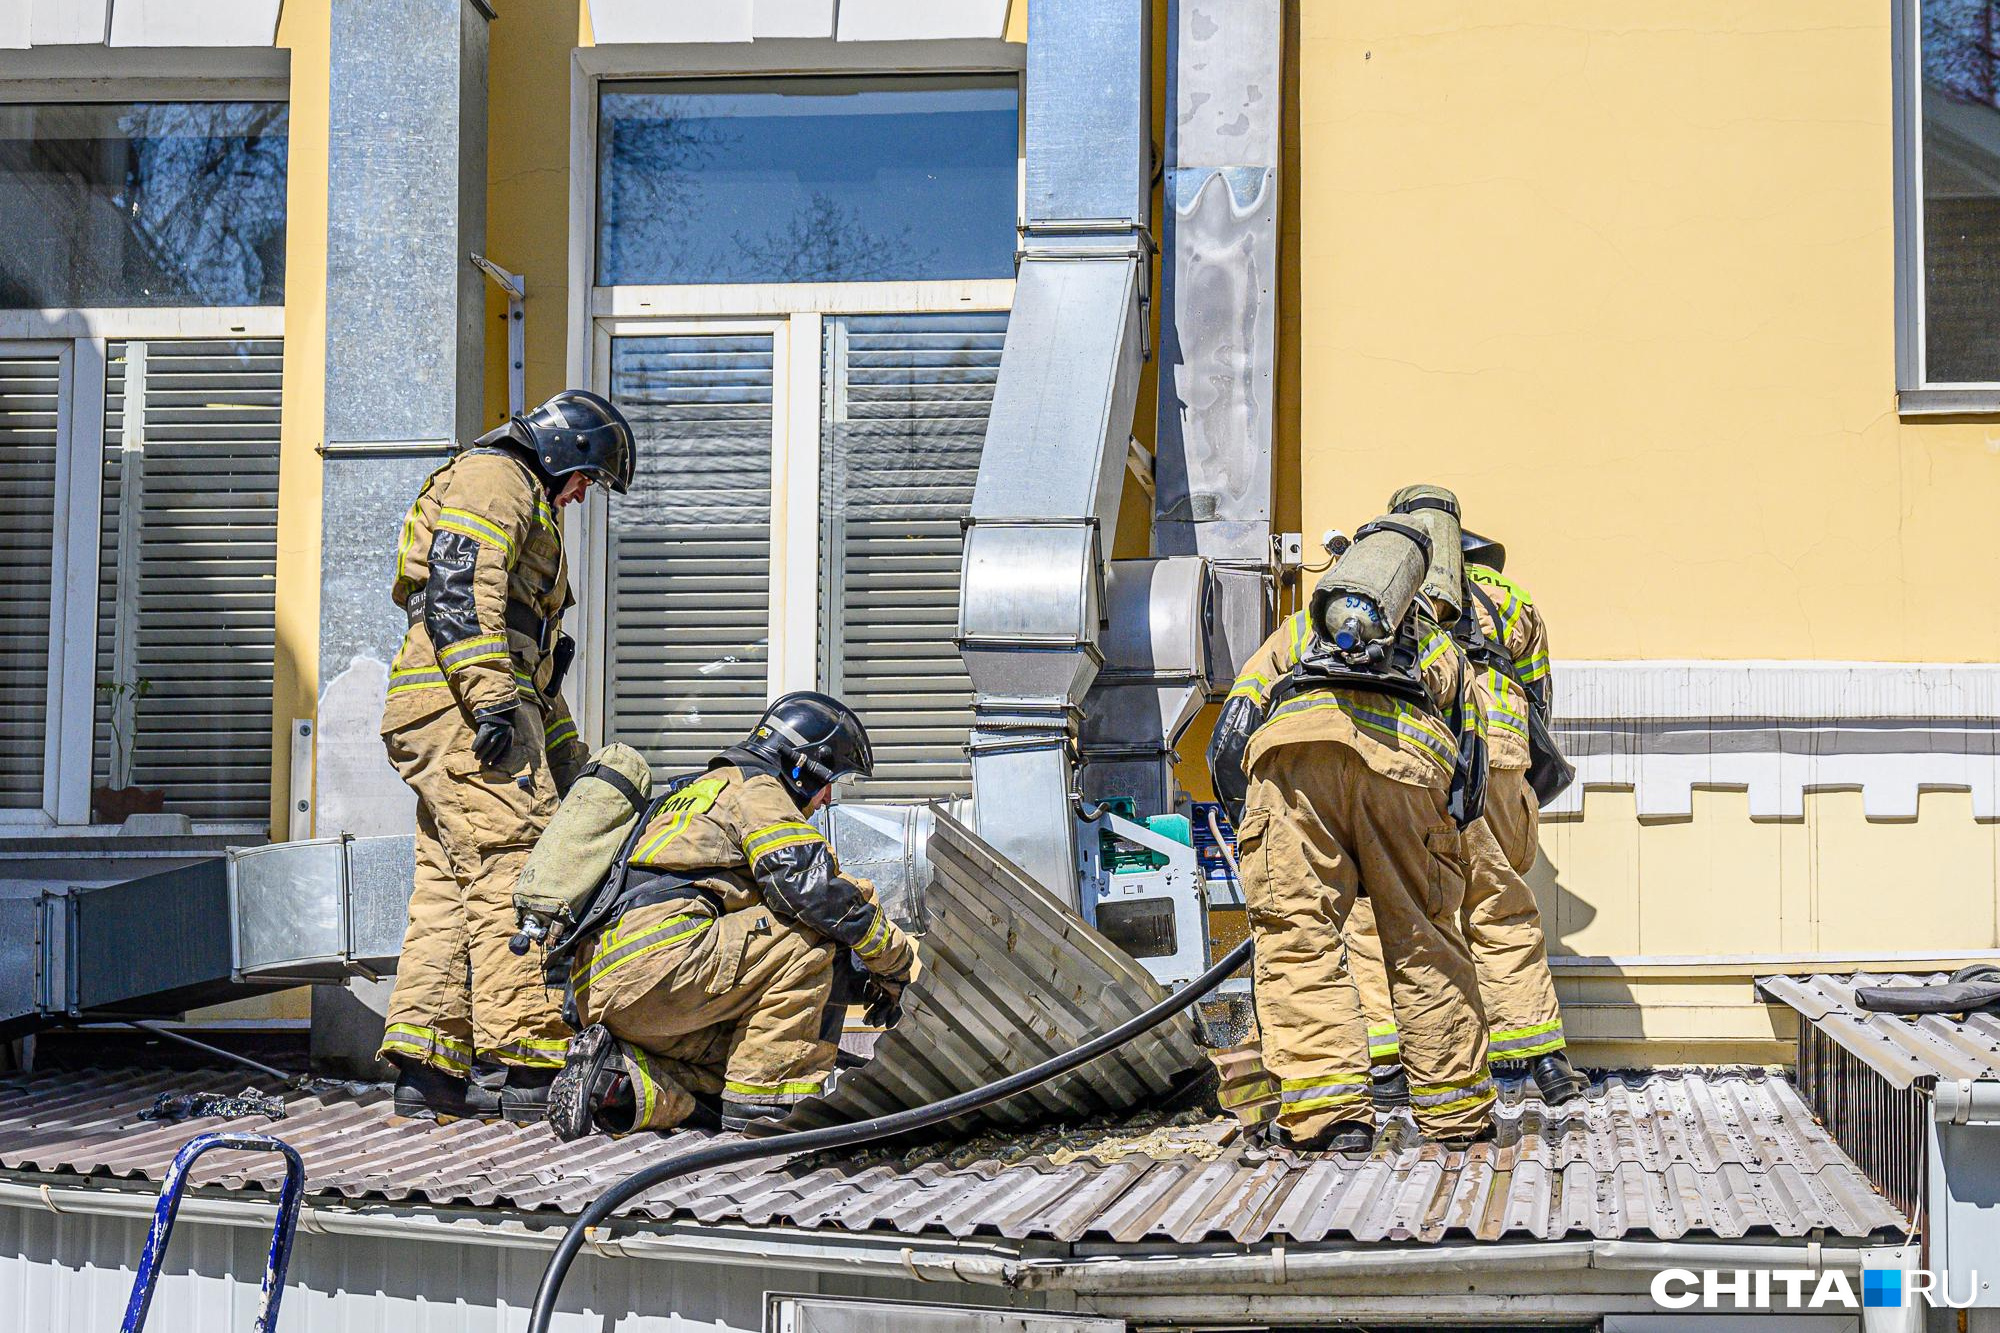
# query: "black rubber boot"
1389,1085
427,1093
751,1117
524,1097
1344,1136
587,1086
1557,1080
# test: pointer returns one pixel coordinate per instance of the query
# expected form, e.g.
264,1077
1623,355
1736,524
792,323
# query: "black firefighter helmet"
1478,550
811,739
575,431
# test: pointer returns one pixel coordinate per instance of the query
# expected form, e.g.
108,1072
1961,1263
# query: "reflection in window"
142,204
807,180
1961,154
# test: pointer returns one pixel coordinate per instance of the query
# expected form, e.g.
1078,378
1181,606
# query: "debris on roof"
1664,1155
1907,1051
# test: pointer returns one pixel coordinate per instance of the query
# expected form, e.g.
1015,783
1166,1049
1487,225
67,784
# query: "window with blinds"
906,402
187,573
30,389
687,634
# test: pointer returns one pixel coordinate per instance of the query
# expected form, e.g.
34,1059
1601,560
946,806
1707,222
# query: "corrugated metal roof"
1904,1050
1011,977
1663,1155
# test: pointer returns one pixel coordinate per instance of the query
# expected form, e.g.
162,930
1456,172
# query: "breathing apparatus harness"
1394,667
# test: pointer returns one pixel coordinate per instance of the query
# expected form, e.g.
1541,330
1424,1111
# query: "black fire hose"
712,1155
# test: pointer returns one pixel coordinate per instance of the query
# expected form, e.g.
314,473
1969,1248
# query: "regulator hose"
712,1155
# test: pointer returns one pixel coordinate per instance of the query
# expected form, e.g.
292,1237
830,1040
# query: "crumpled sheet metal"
1904,1050
1661,1155
1011,977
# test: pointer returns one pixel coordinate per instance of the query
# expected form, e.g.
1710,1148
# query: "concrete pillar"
406,177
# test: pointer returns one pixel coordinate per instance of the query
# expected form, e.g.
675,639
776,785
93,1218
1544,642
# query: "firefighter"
1357,778
716,977
475,723
1506,638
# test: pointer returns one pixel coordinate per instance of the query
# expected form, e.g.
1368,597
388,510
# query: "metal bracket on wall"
516,288
299,811
386,448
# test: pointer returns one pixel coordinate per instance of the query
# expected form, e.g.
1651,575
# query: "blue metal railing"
171,1189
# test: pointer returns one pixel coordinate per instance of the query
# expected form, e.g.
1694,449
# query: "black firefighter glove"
884,997
560,657
495,735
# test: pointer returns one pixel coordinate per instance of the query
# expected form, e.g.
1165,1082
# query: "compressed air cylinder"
1364,597
583,839
1444,580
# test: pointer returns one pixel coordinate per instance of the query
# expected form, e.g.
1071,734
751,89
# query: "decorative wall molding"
138,23
619,22
1779,730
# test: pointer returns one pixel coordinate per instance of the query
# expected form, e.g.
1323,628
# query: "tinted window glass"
807,180
1961,127
142,204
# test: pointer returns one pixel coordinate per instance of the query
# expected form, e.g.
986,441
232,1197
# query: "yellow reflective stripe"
648,1083
428,1045
1451,1096
784,833
545,515
1406,723
795,1088
1434,647
1383,1039
479,529
415,678
675,825
535,1053
1261,1088
564,730
613,953
1535,1030
408,541
481,648
1299,626
1534,668
877,938
1250,685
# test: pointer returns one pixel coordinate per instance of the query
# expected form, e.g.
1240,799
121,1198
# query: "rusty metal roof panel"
1906,1051
1662,1155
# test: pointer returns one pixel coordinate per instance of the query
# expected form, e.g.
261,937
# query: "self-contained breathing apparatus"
1365,637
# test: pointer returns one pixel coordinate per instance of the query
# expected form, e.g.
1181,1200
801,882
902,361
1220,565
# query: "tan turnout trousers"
460,991
1502,926
730,1006
1320,827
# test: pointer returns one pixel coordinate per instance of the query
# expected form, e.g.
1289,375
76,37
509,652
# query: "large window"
1951,197
142,204
806,180
809,436
138,533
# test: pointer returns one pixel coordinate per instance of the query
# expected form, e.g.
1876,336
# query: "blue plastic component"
282,1230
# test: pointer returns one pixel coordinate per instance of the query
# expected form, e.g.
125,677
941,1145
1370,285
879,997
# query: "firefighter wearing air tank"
1362,741
715,977
1504,636
475,723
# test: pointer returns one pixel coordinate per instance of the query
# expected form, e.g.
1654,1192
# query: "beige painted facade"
1622,278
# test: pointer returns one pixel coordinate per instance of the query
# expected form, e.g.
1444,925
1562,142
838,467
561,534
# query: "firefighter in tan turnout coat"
716,975
1508,640
1345,781
476,724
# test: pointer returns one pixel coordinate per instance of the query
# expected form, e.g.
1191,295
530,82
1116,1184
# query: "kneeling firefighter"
706,966
1363,746
475,723
1503,634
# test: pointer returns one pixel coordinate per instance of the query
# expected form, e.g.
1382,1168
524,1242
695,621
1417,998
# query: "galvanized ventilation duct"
1046,506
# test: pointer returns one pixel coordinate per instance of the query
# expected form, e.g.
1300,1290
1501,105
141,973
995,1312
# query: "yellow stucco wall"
1622,276
303,29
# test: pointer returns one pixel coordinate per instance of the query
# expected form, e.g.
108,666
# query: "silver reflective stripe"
1453,1096
1319,1090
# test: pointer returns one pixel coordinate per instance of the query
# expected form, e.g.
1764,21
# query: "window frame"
1915,394
83,336
795,311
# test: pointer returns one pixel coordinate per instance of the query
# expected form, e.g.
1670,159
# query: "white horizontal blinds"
30,386
907,397
187,573
687,636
